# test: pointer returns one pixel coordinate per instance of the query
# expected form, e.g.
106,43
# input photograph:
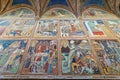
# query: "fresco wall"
59,44
19,13
93,13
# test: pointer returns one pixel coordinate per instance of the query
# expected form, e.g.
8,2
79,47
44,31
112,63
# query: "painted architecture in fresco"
96,28
59,43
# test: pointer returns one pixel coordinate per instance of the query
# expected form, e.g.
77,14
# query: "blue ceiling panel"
93,2
15,2
55,2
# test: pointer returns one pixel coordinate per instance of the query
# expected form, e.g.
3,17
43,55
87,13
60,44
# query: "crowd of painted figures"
11,54
42,57
109,55
77,58
58,43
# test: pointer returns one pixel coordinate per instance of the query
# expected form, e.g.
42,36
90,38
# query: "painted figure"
77,58
42,57
108,55
47,28
20,28
11,52
93,13
57,13
71,28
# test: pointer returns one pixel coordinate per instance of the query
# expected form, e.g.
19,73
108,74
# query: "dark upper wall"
57,2
15,2
94,2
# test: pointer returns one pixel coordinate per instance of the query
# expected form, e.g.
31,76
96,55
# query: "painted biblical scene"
108,53
77,58
4,24
21,28
96,28
58,13
115,26
11,55
93,13
71,28
42,58
47,28
19,13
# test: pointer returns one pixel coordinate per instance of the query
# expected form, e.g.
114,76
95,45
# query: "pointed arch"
10,6
97,13
65,13
26,10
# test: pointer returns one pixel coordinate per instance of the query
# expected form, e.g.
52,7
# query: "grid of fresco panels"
59,44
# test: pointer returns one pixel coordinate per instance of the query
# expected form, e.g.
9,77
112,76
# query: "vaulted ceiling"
75,6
